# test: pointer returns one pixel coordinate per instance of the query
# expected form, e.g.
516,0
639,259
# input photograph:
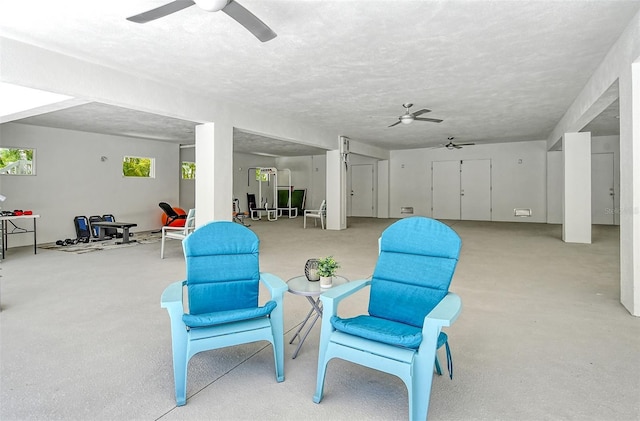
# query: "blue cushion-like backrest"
222,267
418,257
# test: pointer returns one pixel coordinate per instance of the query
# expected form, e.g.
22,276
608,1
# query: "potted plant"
327,267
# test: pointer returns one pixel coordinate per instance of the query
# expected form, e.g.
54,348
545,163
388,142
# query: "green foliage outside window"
137,167
16,161
188,170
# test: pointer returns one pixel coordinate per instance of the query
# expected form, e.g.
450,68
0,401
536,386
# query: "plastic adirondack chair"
409,303
223,281
178,233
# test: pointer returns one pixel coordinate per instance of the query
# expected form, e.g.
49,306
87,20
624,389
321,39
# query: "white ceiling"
494,71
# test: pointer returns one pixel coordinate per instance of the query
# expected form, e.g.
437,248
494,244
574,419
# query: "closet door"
475,190
445,189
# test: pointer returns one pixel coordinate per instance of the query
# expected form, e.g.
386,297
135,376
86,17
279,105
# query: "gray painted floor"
542,334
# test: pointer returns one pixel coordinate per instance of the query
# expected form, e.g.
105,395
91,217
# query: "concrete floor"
542,334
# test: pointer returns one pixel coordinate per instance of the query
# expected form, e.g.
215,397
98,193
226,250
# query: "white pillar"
383,188
336,191
630,189
214,174
576,160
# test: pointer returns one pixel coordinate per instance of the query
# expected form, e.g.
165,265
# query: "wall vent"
522,212
406,210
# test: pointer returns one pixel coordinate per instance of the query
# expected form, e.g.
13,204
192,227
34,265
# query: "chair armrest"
169,228
446,312
333,296
172,300
275,285
172,295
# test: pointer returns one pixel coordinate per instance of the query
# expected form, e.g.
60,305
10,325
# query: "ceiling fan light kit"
406,119
409,117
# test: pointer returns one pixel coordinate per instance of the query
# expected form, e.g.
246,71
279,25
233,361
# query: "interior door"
361,190
475,190
602,189
445,189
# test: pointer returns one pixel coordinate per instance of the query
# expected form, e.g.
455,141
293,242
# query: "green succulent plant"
327,266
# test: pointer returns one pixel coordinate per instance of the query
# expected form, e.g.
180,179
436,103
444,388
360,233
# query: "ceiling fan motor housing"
211,5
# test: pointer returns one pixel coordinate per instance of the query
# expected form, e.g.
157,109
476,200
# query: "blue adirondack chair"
409,303
223,280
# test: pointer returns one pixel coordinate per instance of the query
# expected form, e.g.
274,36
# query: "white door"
475,190
361,190
602,189
445,189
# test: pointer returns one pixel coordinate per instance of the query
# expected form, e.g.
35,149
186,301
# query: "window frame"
152,166
32,161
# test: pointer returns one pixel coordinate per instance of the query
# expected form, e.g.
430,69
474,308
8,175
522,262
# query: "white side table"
300,285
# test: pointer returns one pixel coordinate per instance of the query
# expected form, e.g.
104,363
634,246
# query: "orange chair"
172,217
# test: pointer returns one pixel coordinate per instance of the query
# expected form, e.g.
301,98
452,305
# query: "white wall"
518,178
72,180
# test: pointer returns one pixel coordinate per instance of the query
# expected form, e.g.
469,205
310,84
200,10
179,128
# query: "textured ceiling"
494,71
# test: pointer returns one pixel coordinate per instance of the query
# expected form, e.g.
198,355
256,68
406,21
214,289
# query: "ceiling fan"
408,117
231,7
452,145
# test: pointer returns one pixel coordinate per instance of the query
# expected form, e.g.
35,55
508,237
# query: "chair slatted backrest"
418,257
190,224
222,267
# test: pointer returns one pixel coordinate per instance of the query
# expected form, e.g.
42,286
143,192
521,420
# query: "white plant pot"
326,281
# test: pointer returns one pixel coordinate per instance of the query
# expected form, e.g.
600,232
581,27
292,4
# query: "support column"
629,85
383,188
336,191
214,174
576,157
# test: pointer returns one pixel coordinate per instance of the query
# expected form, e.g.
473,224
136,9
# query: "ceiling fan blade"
433,120
420,112
247,19
396,123
465,144
457,146
162,11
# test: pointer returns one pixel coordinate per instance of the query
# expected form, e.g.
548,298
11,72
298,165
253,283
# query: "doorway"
361,195
602,189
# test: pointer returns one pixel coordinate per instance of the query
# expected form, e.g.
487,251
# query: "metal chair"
178,233
316,214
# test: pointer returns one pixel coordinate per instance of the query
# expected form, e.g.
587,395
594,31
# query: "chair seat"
221,317
380,330
383,330
179,235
